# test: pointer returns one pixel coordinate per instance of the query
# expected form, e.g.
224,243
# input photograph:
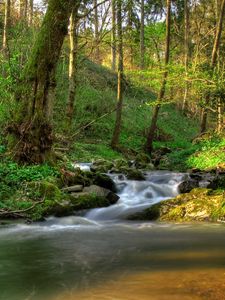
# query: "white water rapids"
135,196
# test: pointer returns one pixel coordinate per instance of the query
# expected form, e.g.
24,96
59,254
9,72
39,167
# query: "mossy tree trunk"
30,134
117,128
153,126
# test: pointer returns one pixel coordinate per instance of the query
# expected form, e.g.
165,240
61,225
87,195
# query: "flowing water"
103,256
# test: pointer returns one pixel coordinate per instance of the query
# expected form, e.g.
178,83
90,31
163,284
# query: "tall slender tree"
31,130
96,27
113,35
152,129
117,128
213,64
186,50
6,24
73,33
142,35
31,12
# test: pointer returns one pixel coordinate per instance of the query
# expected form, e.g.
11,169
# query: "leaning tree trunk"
152,129
6,25
117,128
72,63
113,36
213,64
142,36
31,136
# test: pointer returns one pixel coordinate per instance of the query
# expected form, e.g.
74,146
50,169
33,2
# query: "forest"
90,81
113,110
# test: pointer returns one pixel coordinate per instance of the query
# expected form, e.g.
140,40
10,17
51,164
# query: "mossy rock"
133,174
85,200
142,160
102,166
200,204
119,163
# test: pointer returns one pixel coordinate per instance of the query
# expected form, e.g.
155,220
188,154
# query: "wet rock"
104,181
93,197
102,192
133,174
102,166
217,182
188,185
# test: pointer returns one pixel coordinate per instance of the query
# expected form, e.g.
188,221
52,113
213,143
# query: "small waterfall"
135,196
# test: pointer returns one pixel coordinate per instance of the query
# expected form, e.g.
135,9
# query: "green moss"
89,201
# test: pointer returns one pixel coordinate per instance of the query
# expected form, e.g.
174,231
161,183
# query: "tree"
152,129
31,135
96,26
6,24
113,35
23,6
142,35
213,63
186,49
73,62
117,128
31,12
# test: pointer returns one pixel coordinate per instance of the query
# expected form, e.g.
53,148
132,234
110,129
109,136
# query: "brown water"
208,284
73,258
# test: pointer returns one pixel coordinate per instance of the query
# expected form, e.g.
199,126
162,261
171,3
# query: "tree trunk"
6,25
23,9
96,25
152,129
72,63
142,36
113,36
130,8
117,128
213,64
220,115
31,132
186,51
31,12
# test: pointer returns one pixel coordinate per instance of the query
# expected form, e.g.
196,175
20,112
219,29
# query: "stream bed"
102,256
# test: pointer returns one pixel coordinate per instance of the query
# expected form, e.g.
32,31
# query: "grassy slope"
96,95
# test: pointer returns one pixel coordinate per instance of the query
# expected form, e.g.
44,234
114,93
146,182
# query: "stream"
103,256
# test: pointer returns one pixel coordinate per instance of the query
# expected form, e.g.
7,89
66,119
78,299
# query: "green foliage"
12,176
211,153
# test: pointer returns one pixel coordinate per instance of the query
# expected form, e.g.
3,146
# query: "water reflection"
39,261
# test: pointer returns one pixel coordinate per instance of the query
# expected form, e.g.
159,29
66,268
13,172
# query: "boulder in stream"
93,197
